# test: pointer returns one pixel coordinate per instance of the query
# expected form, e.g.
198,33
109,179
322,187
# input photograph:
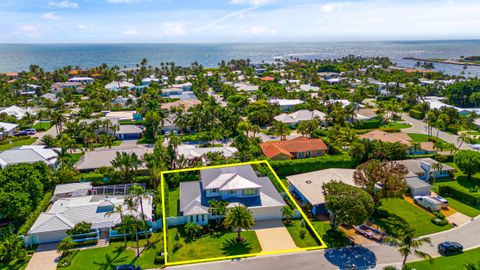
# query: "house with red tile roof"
295,148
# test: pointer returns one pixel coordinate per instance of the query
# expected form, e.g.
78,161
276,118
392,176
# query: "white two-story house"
238,185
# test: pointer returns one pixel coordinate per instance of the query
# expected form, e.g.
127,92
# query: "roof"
118,85
191,151
272,149
18,112
286,102
121,115
246,87
218,178
129,129
415,182
7,127
186,103
28,154
267,79
103,158
415,165
390,137
365,114
310,184
298,116
72,187
66,212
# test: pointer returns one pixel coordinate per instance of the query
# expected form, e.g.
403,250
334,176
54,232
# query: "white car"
476,146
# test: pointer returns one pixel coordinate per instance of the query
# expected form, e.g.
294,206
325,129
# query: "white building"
29,154
18,112
299,116
82,80
194,152
7,129
286,104
117,85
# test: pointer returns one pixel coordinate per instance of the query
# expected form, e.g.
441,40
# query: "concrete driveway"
273,236
44,258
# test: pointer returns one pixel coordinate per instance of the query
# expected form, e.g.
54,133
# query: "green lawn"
399,125
16,264
75,157
417,218
44,125
323,228
471,211
8,146
114,255
211,245
462,183
418,138
455,262
173,198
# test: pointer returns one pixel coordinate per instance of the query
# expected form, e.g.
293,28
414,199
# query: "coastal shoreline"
448,61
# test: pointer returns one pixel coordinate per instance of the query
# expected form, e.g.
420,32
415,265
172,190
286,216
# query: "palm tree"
130,223
461,138
472,266
65,245
139,194
240,218
244,126
408,245
49,141
126,163
280,129
437,167
287,213
118,209
218,208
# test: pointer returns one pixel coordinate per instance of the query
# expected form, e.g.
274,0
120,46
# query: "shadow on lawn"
112,261
347,258
232,247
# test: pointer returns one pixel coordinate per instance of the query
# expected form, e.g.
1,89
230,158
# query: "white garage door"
50,237
266,213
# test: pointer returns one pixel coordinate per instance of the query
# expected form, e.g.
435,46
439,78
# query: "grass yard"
114,255
418,138
462,183
398,125
471,211
8,146
211,245
454,262
16,264
173,198
331,238
417,218
42,125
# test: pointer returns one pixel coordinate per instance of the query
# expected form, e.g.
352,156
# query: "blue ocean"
18,57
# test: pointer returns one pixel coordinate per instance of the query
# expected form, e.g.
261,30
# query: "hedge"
368,124
14,139
416,114
458,195
296,166
34,215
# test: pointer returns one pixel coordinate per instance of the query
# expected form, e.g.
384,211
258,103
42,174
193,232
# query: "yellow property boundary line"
165,225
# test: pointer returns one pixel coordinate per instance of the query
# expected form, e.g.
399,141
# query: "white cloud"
256,30
251,2
50,16
82,27
331,7
174,29
64,4
130,32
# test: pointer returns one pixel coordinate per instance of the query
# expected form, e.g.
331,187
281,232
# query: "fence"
121,189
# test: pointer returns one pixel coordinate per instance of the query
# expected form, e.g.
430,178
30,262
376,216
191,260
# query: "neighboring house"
82,80
178,93
102,128
295,148
93,160
246,87
307,187
237,185
194,152
365,114
51,226
128,132
399,137
59,86
71,190
308,88
169,125
186,104
52,97
295,118
418,187
7,129
147,81
286,104
18,112
187,86
29,154
423,168
123,115
117,85
123,101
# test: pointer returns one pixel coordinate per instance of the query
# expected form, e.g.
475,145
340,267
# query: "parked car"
29,131
369,232
128,267
449,248
442,200
476,146
428,202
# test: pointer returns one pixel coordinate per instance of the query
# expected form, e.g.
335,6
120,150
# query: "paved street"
421,127
375,255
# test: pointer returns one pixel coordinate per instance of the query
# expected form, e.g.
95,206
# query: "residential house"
286,104
82,80
195,152
365,114
118,85
83,206
18,112
307,187
246,87
238,185
7,129
29,154
186,104
93,160
128,132
111,128
425,168
295,148
124,101
295,118
399,137
59,86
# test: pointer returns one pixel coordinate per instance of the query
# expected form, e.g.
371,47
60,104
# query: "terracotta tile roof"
387,137
267,78
272,149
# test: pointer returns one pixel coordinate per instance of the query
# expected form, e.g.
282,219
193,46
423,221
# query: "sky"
210,21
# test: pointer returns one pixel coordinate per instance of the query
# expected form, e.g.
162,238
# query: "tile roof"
272,149
390,137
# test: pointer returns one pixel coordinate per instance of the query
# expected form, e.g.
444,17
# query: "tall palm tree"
240,218
408,245
65,245
126,163
437,167
119,209
139,194
280,129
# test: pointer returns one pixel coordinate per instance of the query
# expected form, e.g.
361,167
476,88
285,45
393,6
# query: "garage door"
266,213
50,237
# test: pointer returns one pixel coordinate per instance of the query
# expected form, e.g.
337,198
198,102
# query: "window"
231,192
309,153
215,190
250,192
301,154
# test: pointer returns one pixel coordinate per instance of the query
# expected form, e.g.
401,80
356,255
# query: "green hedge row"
416,114
368,124
458,195
34,215
14,139
296,166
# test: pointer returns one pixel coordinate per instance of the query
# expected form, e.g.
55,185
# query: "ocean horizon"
50,56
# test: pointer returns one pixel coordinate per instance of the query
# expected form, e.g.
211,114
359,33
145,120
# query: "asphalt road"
373,255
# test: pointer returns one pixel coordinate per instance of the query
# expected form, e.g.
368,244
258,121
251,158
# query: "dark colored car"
449,248
128,267
30,131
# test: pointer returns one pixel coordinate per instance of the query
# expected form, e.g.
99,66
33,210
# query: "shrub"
296,166
390,268
439,222
159,260
66,260
416,114
368,124
302,234
42,206
439,215
14,139
458,195
390,130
